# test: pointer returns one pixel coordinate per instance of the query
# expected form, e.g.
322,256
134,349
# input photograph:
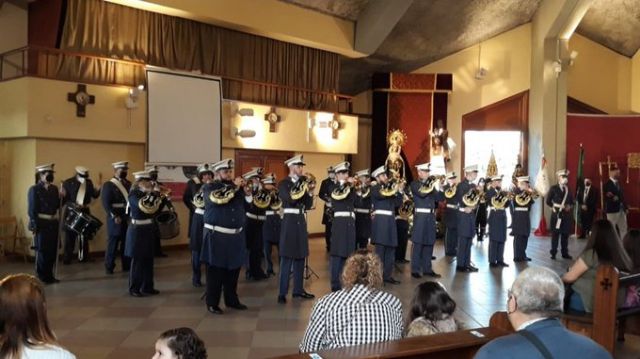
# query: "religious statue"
440,142
395,163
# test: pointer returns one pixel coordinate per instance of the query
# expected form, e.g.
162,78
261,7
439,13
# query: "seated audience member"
631,244
180,343
359,313
603,246
431,311
24,327
533,305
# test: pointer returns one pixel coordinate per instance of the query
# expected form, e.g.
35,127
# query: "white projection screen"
184,118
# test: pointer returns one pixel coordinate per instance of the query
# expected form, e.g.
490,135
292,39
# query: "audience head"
363,267
606,244
537,292
631,244
23,315
431,301
180,343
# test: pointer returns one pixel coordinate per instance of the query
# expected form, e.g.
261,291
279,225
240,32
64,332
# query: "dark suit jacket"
561,342
592,199
612,190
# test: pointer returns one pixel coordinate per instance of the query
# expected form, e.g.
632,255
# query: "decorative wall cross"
272,117
335,126
606,284
81,98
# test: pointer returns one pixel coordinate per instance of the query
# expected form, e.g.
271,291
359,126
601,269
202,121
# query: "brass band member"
44,203
271,226
451,215
166,206
425,198
520,218
78,191
205,175
386,196
363,208
560,200
481,213
343,236
498,201
296,194
115,194
223,247
144,203
468,198
256,210
325,194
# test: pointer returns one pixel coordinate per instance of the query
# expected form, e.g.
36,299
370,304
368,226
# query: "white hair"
539,291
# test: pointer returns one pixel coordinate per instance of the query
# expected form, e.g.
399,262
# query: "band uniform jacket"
612,189
383,226
254,226
451,209
45,201
196,223
363,214
224,250
71,187
193,186
497,218
466,221
520,217
325,194
271,227
555,197
140,237
343,236
294,241
114,204
424,224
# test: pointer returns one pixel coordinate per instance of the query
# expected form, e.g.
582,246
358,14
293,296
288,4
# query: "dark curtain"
243,60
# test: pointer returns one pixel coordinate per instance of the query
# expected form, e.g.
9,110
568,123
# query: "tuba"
223,195
262,199
525,197
198,199
451,191
427,186
150,203
500,200
471,198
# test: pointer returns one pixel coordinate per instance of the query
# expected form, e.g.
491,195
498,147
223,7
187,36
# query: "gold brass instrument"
223,195
198,199
407,208
500,200
276,203
525,197
302,186
471,198
427,186
342,191
164,191
150,203
451,191
363,190
262,198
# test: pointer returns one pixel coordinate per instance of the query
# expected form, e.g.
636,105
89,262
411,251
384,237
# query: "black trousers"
403,239
361,242
70,244
219,281
115,248
327,235
564,243
46,248
141,275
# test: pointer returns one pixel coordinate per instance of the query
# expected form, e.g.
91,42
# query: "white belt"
292,210
555,205
362,210
270,213
118,205
424,210
451,206
223,229
496,209
199,211
139,222
521,209
47,216
463,209
401,218
344,214
256,217
383,212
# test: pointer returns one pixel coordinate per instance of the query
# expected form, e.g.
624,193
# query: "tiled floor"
95,318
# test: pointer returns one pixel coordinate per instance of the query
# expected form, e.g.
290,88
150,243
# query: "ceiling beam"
376,21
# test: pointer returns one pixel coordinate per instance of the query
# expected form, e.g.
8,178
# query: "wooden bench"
608,318
461,344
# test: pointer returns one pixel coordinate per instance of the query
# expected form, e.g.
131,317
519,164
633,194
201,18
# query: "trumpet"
363,190
164,191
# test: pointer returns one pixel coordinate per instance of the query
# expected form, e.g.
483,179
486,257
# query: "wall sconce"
244,133
131,101
245,112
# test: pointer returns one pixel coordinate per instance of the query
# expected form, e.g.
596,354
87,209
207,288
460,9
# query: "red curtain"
602,136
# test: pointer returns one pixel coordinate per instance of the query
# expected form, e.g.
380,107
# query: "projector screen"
184,118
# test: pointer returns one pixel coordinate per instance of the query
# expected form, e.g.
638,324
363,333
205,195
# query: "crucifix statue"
81,98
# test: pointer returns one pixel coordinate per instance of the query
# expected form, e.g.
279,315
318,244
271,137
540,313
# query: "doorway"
505,145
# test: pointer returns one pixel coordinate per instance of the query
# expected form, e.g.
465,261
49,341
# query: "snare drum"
82,223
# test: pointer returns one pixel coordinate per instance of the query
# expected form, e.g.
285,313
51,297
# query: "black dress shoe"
462,269
471,268
553,256
433,258
136,294
433,274
392,281
151,292
519,260
502,264
528,259
238,306
493,265
282,299
304,295
215,310
566,256
416,275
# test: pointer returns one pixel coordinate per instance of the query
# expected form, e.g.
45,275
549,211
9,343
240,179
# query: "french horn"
302,186
262,199
150,203
276,203
198,199
471,198
223,195
451,191
341,192
500,200
428,185
525,197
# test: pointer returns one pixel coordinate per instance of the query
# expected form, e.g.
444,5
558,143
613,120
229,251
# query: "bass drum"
168,225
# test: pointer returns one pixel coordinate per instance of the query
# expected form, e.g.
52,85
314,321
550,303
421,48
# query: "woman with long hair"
431,311
360,313
24,327
631,243
603,247
180,343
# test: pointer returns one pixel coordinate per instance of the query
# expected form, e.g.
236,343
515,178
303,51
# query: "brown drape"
109,30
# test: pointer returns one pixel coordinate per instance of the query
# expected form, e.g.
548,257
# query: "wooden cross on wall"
81,98
335,126
272,117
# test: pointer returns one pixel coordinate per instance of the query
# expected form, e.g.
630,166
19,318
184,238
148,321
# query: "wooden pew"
462,344
607,317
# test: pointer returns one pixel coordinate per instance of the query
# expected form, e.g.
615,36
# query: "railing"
44,62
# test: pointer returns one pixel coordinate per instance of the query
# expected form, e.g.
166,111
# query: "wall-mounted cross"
272,117
81,98
606,284
335,126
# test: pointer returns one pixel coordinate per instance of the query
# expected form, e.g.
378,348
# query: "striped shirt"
356,316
